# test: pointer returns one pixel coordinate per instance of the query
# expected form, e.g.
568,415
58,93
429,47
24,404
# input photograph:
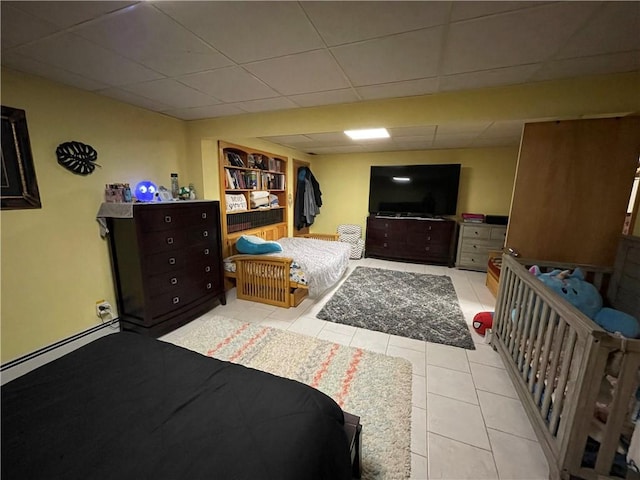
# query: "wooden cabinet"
411,239
166,262
475,242
246,176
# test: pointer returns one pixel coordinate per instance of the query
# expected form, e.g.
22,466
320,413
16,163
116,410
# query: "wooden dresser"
475,241
166,262
411,239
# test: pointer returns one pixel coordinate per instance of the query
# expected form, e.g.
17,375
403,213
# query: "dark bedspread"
131,407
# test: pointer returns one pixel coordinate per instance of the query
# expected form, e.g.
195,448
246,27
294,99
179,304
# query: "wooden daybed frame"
265,279
557,359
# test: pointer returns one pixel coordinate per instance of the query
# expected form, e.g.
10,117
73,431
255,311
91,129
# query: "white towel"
259,194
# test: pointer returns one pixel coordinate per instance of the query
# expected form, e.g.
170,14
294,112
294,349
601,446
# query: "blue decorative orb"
145,191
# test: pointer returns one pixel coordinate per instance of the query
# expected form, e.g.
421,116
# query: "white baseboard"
18,367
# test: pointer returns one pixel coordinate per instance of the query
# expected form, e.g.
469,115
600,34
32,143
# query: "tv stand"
413,239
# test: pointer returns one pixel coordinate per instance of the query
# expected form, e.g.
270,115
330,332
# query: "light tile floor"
467,422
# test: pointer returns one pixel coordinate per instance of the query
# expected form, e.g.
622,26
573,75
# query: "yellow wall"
486,180
54,263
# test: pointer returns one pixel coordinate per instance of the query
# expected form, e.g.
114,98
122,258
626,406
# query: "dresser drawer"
476,232
200,235
498,234
171,300
477,260
200,254
169,281
477,246
157,218
170,260
162,241
198,215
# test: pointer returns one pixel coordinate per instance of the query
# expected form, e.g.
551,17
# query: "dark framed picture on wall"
18,176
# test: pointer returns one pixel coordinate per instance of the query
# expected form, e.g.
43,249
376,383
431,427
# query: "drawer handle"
176,300
429,228
206,251
384,244
428,237
207,269
426,248
172,261
170,240
386,235
204,214
209,286
174,281
205,233
167,219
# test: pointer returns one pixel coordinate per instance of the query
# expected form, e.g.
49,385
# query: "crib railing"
557,358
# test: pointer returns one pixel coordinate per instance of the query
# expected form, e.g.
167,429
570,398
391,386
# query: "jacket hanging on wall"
308,198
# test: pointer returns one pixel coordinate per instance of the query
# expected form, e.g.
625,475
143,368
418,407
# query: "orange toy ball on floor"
482,321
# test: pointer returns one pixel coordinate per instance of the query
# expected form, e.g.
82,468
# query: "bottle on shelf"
175,189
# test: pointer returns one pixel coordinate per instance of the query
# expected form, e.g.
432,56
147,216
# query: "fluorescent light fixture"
401,179
367,133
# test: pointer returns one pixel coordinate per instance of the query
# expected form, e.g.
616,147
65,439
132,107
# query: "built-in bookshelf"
253,191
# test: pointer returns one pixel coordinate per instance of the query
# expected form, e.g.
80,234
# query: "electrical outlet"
102,307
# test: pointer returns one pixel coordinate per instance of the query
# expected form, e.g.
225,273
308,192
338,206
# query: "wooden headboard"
624,288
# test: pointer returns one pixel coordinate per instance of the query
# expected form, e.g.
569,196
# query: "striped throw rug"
373,386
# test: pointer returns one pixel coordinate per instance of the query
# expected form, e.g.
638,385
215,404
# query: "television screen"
429,190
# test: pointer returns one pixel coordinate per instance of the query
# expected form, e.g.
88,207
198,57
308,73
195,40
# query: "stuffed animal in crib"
585,297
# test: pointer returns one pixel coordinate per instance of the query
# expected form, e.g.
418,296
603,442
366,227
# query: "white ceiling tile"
413,140
336,138
78,55
504,128
19,27
133,99
452,141
496,142
464,10
417,131
171,93
301,73
406,56
267,104
346,22
615,28
345,95
230,84
489,78
210,111
409,88
462,128
515,38
290,140
132,33
334,150
68,13
599,64
248,31
35,67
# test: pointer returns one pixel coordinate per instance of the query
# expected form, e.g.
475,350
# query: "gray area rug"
412,305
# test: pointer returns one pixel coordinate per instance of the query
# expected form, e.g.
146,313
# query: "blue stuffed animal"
586,298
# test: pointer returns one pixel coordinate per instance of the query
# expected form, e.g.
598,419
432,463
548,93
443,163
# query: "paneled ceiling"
205,59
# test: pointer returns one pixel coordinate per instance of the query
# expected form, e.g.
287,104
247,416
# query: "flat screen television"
414,190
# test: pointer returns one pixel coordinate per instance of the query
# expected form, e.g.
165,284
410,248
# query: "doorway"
297,164
634,205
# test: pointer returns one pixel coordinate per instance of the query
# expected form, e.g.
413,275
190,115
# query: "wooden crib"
559,359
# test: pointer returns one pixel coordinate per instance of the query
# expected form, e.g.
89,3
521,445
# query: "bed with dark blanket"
131,407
